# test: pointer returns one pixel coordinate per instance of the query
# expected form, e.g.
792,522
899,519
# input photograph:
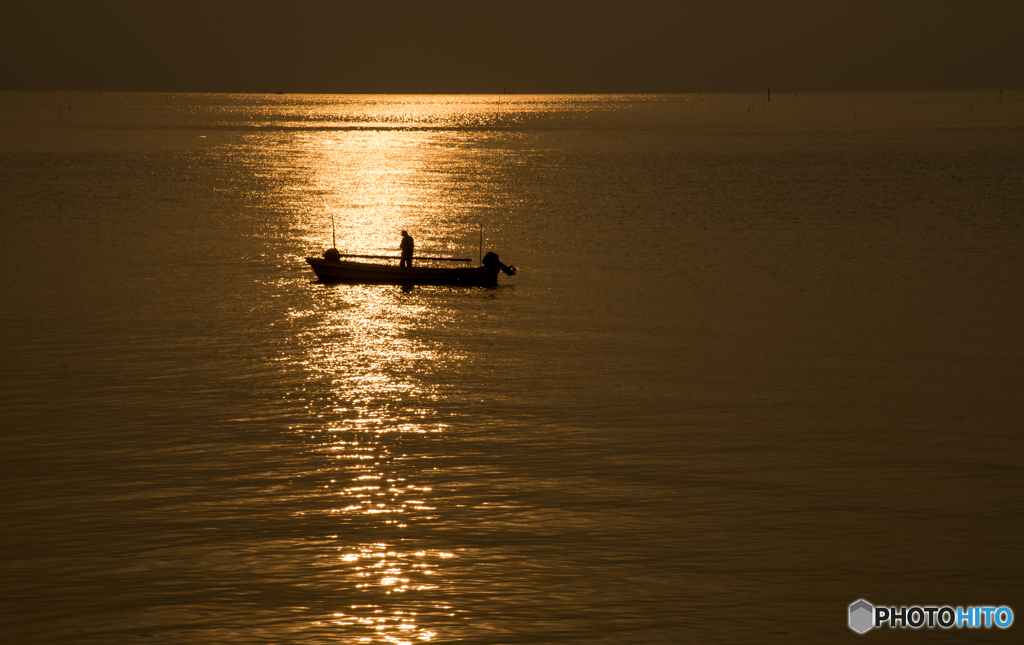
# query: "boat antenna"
480,251
334,237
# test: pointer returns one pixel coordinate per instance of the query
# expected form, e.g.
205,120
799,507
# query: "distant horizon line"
765,91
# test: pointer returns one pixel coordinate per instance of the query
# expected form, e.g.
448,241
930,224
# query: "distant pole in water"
769,95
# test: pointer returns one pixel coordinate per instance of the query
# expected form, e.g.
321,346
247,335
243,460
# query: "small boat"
333,268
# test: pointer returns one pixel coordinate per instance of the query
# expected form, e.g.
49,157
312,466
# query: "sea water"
761,359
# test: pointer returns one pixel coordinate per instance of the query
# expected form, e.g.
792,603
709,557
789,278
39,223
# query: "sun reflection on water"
371,489
398,627
364,186
376,361
362,344
366,359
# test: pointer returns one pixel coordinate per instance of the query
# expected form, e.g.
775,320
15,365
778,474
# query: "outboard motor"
491,261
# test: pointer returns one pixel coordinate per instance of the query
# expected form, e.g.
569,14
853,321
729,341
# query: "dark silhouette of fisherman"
407,248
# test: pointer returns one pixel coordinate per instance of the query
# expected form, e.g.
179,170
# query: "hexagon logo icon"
862,615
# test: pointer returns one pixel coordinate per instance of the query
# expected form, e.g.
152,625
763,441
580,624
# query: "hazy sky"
527,46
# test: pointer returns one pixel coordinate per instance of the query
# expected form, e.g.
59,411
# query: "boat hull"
365,273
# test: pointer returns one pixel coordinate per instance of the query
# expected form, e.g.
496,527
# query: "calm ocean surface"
760,360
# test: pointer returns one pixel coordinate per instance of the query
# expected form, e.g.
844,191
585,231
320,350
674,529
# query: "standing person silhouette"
407,248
